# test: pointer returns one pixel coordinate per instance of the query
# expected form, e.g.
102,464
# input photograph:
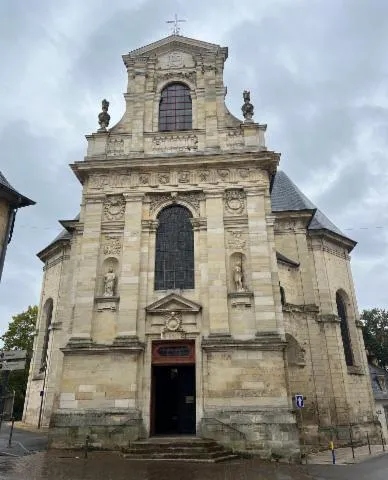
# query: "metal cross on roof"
176,28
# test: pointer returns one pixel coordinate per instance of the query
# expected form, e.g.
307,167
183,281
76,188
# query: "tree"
20,336
375,332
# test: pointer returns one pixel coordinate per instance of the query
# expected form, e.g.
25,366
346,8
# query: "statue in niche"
109,283
238,278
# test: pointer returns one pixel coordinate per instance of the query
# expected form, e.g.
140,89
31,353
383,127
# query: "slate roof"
12,195
378,392
286,197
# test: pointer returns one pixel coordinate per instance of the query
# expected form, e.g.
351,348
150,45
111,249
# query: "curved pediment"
173,302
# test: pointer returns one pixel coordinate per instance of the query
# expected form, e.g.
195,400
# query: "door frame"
167,358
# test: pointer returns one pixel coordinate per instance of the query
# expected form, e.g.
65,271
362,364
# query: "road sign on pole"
299,401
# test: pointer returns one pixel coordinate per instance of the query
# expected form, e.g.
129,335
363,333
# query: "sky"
317,72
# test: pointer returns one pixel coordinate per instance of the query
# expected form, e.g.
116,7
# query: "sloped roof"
286,197
13,196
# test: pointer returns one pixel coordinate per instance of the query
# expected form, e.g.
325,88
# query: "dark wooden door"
173,399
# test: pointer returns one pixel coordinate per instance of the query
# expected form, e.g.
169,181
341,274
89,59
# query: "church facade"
198,290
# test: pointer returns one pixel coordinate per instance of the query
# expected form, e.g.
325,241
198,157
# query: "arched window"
45,324
282,295
175,111
341,309
174,256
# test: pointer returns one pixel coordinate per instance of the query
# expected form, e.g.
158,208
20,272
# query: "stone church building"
198,290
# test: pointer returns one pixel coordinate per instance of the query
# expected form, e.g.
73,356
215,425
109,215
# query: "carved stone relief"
164,178
175,143
192,198
223,174
234,139
234,202
115,147
162,77
114,207
243,173
173,326
203,175
102,181
236,240
144,178
112,246
184,177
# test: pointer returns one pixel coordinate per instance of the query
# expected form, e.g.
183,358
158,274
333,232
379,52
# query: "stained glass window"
341,309
175,111
174,256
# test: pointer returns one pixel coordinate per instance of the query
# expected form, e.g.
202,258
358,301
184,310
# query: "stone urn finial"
104,117
247,108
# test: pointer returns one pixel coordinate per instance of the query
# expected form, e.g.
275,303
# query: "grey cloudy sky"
317,71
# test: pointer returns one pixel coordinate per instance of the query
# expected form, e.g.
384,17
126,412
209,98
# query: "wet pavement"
27,459
60,465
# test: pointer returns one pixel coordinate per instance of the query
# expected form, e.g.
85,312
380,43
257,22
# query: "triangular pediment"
171,303
177,42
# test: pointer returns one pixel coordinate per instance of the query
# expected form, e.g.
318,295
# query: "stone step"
175,449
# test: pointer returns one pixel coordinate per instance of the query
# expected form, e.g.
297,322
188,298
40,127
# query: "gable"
173,302
178,42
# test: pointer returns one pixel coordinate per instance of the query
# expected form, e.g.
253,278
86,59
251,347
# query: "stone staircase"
187,449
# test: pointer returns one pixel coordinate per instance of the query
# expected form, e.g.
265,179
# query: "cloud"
317,74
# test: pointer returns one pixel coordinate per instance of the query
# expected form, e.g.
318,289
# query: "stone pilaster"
130,269
87,270
265,313
306,271
218,306
325,301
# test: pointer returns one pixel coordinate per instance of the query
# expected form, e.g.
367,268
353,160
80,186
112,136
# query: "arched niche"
238,266
109,264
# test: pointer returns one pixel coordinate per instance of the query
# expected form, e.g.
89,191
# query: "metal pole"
86,445
351,441
11,431
303,437
367,438
332,451
41,403
3,389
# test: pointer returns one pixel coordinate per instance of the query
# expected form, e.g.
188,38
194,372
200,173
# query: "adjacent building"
198,290
10,201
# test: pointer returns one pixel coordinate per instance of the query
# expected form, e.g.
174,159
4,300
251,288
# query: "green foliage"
375,331
20,336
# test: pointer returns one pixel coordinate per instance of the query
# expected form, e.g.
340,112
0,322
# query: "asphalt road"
27,459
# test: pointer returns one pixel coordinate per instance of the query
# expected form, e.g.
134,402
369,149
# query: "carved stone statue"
104,117
247,108
238,278
109,283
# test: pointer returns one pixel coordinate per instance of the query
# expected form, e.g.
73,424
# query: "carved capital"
149,225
